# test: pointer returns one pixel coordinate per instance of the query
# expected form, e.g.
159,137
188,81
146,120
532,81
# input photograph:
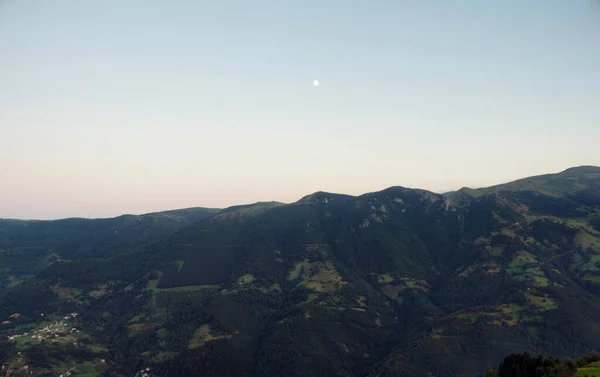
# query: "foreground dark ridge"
397,282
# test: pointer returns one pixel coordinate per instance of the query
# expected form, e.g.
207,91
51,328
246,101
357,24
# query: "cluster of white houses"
51,331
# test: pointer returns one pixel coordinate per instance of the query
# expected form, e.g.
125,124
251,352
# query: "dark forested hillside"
26,247
400,282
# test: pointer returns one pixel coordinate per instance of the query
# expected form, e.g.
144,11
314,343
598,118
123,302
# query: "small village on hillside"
54,331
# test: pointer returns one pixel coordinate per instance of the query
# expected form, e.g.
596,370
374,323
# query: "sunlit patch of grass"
321,277
588,371
594,258
153,284
362,301
275,287
385,278
18,280
392,291
246,279
523,258
203,335
588,240
138,318
512,311
524,266
151,323
189,288
541,303
470,316
311,297
99,291
66,292
298,267
577,223
416,284
97,348
506,232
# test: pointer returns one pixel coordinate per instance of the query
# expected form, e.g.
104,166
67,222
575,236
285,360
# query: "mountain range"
400,282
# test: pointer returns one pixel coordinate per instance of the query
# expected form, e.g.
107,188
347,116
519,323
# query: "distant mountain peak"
583,169
324,197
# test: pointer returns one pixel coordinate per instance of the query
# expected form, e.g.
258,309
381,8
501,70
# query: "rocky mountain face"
400,282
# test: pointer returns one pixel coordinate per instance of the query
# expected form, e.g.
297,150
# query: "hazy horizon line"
440,192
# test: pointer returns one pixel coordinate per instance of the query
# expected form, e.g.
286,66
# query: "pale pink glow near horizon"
92,198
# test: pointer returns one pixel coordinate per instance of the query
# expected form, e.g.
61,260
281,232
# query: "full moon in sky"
316,82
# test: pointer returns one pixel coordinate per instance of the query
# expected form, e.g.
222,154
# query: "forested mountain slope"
400,282
26,247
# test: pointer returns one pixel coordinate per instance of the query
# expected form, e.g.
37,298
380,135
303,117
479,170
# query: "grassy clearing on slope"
588,371
524,266
86,370
153,286
321,277
506,232
541,303
99,291
588,240
385,279
273,288
66,292
577,223
591,264
416,284
514,311
311,297
203,335
410,283
473,317
392,291
97,348
246,279
138,318
295,272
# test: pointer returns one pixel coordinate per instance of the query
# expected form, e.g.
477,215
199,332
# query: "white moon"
316,82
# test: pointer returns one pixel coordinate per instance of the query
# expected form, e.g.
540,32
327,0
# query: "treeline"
525,365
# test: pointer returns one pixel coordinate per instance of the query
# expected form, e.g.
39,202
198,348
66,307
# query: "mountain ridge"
396,282
577,170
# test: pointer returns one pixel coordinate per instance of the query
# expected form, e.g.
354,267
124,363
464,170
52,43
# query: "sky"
111,107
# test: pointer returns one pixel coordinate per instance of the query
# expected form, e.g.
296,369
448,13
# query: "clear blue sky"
131,106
